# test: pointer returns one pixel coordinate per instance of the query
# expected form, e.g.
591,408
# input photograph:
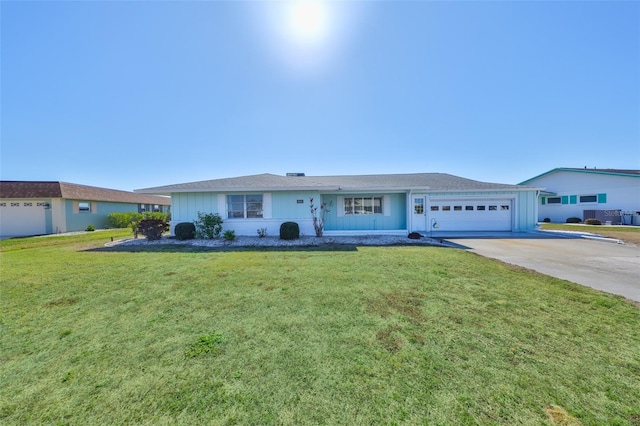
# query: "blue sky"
129,95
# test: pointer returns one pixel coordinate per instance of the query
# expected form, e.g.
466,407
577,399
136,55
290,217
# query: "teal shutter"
565,199
544,200
602,198
573,199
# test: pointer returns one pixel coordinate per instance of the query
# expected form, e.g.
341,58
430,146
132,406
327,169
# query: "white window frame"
84,207
386,205
245,211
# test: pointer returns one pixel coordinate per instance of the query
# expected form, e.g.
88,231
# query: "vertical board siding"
397,219
98,217
285,204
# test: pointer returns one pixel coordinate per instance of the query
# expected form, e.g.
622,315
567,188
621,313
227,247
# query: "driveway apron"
605,266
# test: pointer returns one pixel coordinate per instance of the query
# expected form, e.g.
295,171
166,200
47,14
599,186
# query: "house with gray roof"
39,208
610,195
433,203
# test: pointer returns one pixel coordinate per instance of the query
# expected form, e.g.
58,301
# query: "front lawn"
366,335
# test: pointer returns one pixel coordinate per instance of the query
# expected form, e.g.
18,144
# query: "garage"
470,214
22,218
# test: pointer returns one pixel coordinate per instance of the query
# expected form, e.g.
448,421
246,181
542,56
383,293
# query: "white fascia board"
235,189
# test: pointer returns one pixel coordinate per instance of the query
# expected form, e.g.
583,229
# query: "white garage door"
20,218
471,215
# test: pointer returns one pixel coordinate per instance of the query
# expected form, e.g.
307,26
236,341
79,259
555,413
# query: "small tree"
152,228
208,225
318,216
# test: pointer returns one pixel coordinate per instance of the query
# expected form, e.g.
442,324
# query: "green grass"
396,335
590,228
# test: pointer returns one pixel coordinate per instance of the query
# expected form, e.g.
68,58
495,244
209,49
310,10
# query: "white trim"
222,206
340,206
266,206
386,205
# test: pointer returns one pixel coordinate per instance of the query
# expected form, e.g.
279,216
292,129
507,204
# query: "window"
492,208
15,204
446,208
468,208
244,206
554,200
372,205
418,205
457,208
435,208
84,207
3,204
28,204
480,208
588,198
156,208
504,207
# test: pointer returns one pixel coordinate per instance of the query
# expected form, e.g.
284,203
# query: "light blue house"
364,204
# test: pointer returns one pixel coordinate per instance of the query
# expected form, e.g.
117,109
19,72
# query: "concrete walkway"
601,264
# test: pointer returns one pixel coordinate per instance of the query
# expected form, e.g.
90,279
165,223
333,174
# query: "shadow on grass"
188,248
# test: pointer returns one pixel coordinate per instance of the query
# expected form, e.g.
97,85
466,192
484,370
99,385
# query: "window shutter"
76,207
340,207
573,199
602,198
386,205
94,207
544,200
266,205
565,199
222,205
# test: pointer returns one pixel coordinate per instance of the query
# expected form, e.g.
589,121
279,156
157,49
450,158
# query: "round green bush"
185,231
546,220
289,231
592,221
90,228
574,220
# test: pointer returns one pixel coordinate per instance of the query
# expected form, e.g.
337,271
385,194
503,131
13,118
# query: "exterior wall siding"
285,206
524,216
78,221
613,193
396,220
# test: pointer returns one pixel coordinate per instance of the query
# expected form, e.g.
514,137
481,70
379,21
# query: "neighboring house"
38,208
606,194
370,204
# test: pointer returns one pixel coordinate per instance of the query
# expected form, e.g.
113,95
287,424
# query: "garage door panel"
22,218
471,215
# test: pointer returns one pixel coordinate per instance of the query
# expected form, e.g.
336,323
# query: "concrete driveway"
599,264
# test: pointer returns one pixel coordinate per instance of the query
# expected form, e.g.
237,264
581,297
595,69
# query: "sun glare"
308,21
307,35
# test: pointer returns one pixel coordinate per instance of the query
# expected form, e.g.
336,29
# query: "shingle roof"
615,172
270,182
72,191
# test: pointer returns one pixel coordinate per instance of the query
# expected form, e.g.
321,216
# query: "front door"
419,213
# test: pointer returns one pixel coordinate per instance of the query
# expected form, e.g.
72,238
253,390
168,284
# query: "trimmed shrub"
155,215
415,236
592,221
229,235
546,220
289,231
123,220
90,228
574,220
208,225
185,231
152,228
